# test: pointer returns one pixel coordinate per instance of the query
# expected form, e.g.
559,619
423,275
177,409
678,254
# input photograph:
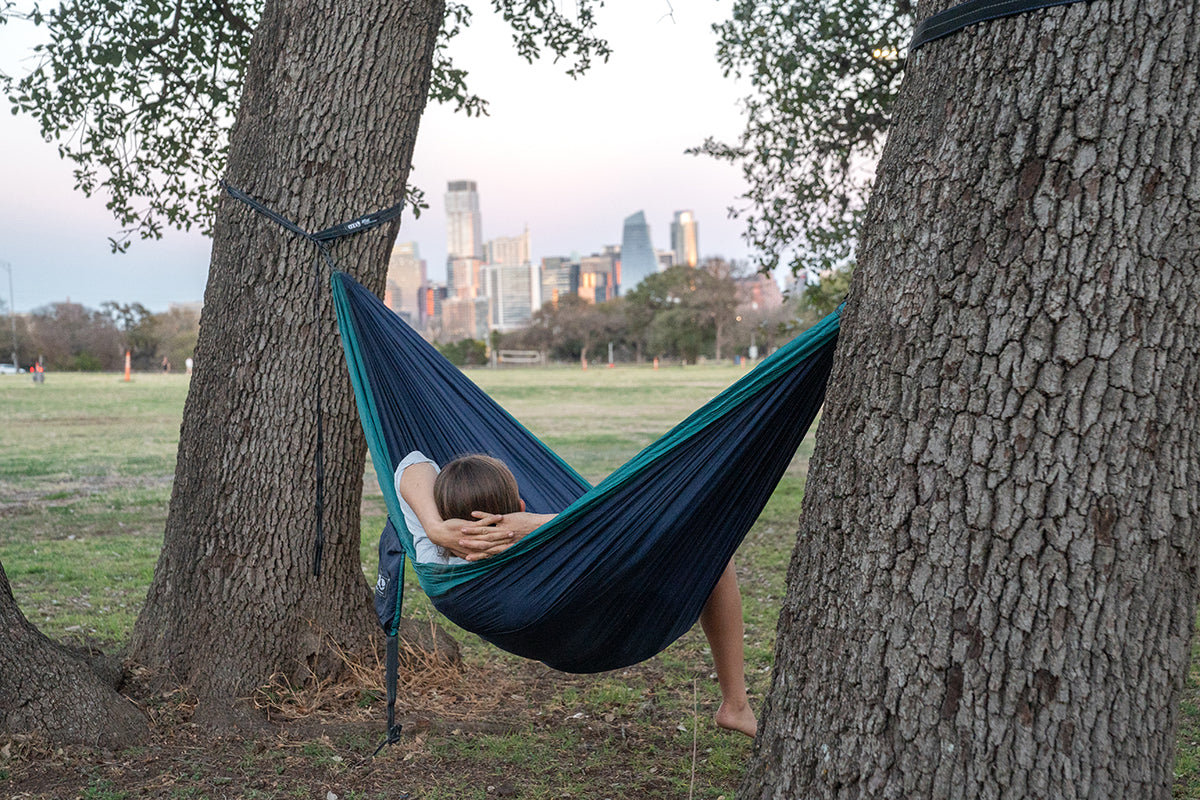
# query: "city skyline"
636,253
498,284
559,167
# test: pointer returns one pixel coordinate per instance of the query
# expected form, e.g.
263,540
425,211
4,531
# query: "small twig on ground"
695,734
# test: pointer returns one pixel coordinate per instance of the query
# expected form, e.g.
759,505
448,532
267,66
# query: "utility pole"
12,313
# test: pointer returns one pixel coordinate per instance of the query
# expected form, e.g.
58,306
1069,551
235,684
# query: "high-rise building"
510,290
405,277
462,277
666,259
510,282
638,260
600,275
430,310
464,318
464,236
511,251
685,238
560,277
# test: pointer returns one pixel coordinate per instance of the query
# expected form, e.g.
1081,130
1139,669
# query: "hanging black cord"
319,453
321,239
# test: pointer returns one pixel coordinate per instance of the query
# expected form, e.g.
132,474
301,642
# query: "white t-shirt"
427,551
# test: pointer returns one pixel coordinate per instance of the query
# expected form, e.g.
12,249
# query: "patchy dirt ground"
503,728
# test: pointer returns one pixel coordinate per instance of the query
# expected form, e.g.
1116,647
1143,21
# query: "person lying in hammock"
471,509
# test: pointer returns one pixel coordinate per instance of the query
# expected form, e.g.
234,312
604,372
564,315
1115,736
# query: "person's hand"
443,532
489,534
480,538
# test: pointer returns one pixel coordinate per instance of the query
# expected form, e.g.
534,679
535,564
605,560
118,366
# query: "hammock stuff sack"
627,566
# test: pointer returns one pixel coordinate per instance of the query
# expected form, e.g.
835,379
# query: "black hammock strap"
321,239
356,225
960,16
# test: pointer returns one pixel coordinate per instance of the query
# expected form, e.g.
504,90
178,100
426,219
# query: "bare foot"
737,719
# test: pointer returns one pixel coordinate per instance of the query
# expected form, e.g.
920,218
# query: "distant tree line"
71,337
681,314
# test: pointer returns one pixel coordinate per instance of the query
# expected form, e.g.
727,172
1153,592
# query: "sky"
569,158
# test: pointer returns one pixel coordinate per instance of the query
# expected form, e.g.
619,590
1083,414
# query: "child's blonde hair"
475,483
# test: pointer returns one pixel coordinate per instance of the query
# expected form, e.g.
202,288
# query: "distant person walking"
166,365
188,363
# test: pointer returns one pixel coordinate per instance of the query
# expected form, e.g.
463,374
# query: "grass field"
86,463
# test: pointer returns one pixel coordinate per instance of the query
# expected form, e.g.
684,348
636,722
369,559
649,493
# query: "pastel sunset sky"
569,158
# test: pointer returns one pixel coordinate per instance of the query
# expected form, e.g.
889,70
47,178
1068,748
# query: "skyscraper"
685,238
464,318
430,311
599,276
510,281
511,251
462,277
560,277
758,292
638,260
510,291
405,277
464,237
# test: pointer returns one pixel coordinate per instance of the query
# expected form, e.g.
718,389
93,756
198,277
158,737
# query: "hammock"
626,567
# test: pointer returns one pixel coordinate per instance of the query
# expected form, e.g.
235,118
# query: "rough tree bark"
329,114
994,584
48,689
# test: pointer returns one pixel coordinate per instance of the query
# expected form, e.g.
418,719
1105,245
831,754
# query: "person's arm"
490,534
416,487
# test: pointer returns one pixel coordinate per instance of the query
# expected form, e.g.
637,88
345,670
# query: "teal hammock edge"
437,579
368,414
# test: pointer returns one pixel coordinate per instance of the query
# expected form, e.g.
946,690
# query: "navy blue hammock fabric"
626,567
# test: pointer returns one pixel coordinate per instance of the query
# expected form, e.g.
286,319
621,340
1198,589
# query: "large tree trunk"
46,688
994,585
333,96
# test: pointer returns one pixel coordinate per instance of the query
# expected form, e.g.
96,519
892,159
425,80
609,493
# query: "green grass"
103,789
86,463
83,428
91,586
1187,738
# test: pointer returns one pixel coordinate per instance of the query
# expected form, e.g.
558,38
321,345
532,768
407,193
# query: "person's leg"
721,620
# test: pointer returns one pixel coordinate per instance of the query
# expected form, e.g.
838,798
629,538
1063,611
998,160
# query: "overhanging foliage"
822,79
